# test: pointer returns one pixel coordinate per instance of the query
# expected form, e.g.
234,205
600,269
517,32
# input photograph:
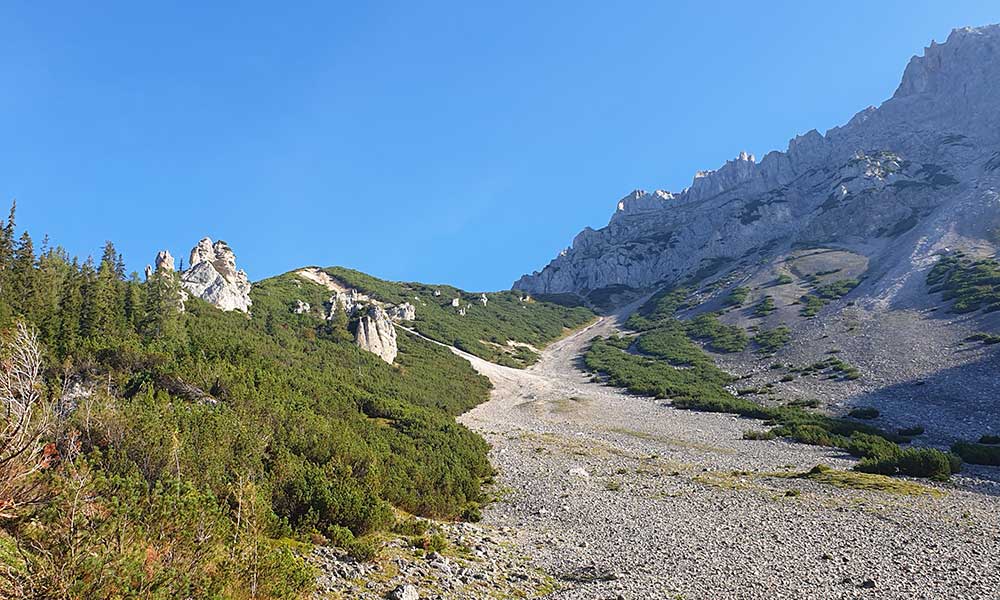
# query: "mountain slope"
834,240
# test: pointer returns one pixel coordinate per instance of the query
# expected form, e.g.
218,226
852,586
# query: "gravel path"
618,496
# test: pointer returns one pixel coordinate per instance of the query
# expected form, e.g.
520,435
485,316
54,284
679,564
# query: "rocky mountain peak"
211,275
966,60
930,149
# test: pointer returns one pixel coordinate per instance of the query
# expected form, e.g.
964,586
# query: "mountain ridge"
938,120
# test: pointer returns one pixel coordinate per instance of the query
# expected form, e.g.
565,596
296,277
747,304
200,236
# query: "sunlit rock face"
925,163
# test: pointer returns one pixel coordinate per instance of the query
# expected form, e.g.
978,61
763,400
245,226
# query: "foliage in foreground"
195,450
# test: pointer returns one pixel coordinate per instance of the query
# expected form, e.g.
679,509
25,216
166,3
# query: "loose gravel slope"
619,496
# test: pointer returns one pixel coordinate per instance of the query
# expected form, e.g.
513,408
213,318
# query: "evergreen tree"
70,311
135,303
164,306
23,277
110,296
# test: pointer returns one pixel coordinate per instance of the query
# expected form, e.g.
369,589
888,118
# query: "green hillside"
484,330
200,452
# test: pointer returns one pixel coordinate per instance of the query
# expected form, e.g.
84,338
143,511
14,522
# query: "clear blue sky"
458,142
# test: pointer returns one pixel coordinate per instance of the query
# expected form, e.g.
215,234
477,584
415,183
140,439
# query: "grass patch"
862,481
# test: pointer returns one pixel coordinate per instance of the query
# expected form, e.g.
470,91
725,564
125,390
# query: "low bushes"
978,454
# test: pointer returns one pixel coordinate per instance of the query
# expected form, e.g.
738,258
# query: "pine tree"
23,277
53,269
164,306
70,311
135,303
107,299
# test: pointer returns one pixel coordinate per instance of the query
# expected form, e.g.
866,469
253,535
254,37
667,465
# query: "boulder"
300,307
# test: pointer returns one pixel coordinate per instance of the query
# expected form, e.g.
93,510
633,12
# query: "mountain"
874,243
896,184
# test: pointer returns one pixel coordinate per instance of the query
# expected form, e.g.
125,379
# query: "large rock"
212,276
376,333
164,261
925,162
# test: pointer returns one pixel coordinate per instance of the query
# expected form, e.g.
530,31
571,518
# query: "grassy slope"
484,330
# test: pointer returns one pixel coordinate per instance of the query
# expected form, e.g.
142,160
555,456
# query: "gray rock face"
376,333
164,261
896,183
402,312
213,276
300,307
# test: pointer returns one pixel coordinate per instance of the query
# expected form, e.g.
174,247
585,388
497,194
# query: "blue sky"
456,142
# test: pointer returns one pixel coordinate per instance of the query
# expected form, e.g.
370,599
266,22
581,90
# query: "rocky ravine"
607,495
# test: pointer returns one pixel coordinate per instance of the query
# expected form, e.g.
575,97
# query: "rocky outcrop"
402,312
896,183
164,261
374,329
376,333
212,276
300,307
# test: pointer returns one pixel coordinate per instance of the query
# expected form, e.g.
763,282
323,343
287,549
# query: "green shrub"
720,337
864,412
765,307
364,549
989,439
912,431
737,296
977,454
752,434
971,284
771,340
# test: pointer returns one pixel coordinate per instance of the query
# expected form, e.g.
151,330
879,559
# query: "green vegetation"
673,367
865,412
754,434
212,448
831,368
783,279
737,296
970,283
910,432
861,481
719,336
986,338
484,330
770,341
824,294
989,439
764,307
978,454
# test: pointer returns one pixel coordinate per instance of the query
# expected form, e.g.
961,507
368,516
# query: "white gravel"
619,496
